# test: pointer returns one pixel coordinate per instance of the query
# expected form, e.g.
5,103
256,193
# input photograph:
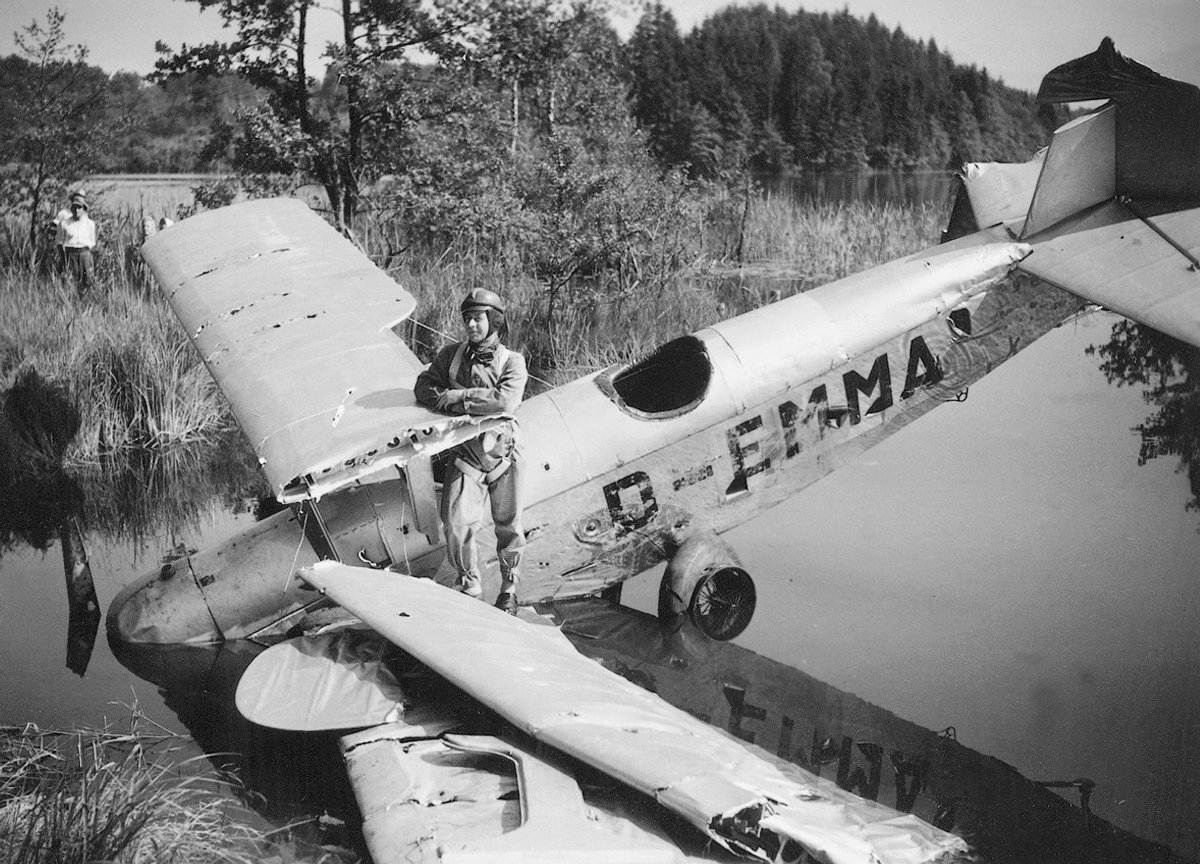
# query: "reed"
138,385
120,356
119,797
830,240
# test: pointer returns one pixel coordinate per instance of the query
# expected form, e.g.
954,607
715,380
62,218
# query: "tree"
657,69
521,43
966,138
288,134
55,123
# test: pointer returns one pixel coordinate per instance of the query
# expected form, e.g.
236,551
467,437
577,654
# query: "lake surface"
1002,566
876,187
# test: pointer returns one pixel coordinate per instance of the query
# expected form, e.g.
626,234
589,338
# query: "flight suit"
491,380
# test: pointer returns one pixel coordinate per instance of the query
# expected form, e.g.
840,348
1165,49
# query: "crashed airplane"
653,460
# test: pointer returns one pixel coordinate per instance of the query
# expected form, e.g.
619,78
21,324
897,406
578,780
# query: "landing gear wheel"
723,603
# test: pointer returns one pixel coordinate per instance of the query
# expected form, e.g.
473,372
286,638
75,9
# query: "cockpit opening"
666,383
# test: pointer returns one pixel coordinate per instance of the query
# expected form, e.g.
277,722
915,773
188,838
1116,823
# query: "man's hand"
447,399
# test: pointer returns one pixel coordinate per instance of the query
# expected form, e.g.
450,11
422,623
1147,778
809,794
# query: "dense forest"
776,88
810,89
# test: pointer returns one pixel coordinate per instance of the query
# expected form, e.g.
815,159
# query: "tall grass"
121,357
145,398
156,447
105,796
788,246
830,240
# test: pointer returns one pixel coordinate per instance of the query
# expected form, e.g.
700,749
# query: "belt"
488,477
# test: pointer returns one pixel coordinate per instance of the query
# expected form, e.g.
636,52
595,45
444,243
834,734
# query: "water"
35,684
1002,566
877,187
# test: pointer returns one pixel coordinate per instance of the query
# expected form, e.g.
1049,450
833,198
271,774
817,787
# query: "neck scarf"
483,353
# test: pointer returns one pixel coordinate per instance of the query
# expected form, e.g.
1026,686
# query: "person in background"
75,238
481,376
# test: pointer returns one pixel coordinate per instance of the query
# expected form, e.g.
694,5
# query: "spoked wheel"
723,603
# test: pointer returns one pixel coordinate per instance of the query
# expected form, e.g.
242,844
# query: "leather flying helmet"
482,298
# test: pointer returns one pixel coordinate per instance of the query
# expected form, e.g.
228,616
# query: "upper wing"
294,324
534,678
1112,208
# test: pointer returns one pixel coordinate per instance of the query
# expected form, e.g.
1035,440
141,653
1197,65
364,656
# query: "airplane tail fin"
1112,206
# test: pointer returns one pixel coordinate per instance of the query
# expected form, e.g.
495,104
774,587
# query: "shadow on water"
127,495
294,777
289,778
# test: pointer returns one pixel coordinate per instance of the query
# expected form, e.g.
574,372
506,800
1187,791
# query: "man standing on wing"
481,376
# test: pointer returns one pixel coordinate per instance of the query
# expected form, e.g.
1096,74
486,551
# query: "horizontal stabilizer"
293,323
1143,268
999,193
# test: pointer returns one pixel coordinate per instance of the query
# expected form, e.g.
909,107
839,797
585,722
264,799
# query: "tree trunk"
35,204
516,114
350,165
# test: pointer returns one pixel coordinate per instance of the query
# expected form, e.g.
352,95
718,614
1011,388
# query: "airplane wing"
1112,208
293,323
535,679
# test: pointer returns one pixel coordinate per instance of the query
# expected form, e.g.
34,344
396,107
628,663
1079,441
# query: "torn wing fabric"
293,323
534,678
1157,131
332,681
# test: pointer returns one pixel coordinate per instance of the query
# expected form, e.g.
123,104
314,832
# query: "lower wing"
535,679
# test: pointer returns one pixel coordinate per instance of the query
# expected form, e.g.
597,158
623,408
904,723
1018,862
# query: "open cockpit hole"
670,381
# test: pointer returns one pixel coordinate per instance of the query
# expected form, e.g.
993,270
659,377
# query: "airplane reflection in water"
859,746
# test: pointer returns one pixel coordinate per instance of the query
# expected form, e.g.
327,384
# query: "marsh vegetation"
124,795
112,370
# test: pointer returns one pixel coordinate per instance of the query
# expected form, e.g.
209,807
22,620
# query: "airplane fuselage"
621,466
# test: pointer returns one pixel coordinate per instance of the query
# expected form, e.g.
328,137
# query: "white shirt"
76,233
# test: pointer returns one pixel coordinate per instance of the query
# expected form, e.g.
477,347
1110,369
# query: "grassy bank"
147,406
119,797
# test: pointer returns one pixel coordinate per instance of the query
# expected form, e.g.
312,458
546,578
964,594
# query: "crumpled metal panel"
534,678
1106,73
447,801
1000,193
294,323
1158,121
